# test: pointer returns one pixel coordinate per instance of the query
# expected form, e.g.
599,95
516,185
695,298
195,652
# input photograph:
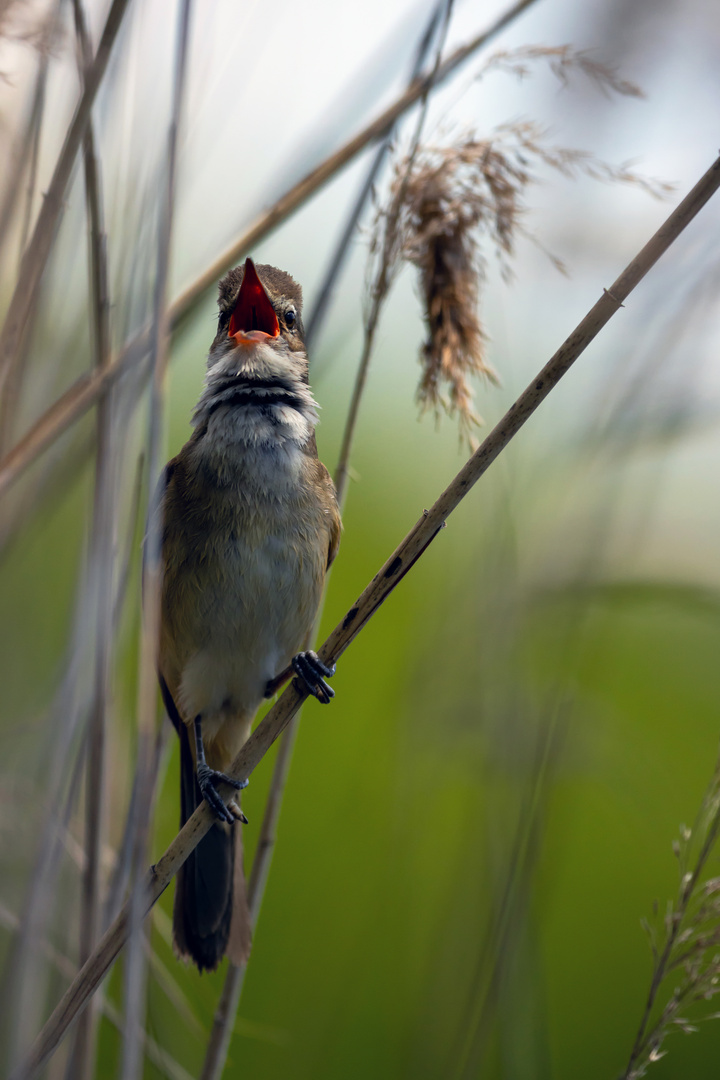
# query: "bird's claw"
207,778
311,669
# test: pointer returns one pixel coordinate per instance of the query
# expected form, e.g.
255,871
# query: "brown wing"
335,529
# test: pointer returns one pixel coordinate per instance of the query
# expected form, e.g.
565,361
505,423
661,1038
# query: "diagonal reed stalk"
388,577
135,971
24,295
84,392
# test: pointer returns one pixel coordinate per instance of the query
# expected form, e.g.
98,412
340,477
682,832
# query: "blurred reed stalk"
101,559
48,40
24,296
84,392
147,707
388,266
388,577
339,256
164,1062
26,143
229,1001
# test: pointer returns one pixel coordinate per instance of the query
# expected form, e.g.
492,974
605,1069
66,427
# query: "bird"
249,525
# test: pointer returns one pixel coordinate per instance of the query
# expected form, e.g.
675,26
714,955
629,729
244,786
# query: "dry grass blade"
387,578
24,294
80,397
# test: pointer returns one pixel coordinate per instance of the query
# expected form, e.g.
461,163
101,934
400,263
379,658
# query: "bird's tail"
210,914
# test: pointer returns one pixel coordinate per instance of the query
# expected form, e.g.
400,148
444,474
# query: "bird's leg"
207,778
273,685
311,670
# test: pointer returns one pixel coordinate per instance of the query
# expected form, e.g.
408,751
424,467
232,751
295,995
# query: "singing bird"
250,524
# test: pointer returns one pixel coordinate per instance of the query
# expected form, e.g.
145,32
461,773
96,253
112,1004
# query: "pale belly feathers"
239,598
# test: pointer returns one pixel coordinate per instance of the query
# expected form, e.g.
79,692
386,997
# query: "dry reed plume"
447,204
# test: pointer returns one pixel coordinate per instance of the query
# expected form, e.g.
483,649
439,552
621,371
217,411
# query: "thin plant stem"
23,983
84,392
25,142
385,581
24,296
339,256
227,1007
50,35
522,859
135,970
45,489
13,385
163,1061
81,1060
381,285
664,965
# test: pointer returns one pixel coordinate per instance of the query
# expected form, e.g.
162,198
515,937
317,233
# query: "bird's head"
260,317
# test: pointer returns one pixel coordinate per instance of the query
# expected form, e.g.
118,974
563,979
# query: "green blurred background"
473,831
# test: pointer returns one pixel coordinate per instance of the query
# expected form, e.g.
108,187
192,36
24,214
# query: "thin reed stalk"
24,984
135,971
387,268
385,581
229,1000
81,1060
24,296
50,36
502,930
83,394
338,258
160,1058
25,142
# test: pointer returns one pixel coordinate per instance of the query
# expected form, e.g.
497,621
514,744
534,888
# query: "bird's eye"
290,317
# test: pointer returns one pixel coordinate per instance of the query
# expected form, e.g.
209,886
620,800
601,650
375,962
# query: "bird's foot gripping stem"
208,779
313,672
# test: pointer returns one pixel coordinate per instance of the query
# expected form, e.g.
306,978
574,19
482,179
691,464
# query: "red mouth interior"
253,311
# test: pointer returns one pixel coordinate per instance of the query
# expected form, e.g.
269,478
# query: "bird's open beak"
253,318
